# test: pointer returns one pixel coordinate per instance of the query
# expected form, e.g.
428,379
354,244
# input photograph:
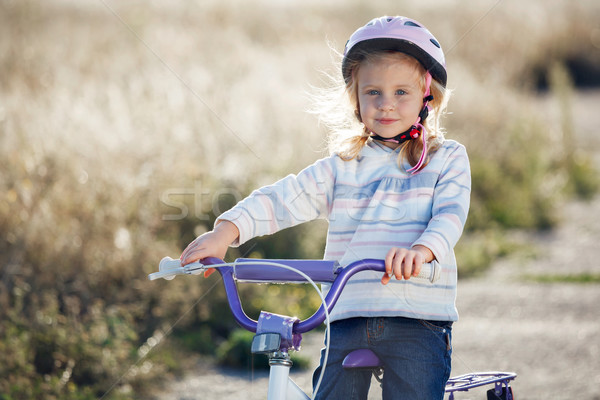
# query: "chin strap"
415,130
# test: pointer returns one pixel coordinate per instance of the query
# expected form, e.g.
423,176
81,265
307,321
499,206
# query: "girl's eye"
400,92
373,92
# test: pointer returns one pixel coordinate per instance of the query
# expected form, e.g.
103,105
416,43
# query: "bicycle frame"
281,387
275,344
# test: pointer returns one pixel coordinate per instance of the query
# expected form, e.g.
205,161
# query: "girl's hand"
210,244
404,263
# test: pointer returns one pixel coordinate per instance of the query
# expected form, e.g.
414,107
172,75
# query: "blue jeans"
415,353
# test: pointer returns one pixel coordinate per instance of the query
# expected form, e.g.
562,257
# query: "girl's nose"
386,105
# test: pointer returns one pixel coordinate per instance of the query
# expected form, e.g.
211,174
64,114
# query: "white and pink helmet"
397,34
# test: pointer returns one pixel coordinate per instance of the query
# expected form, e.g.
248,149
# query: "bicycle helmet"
397,34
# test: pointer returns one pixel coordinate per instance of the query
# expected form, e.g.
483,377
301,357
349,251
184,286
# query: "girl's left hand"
404,263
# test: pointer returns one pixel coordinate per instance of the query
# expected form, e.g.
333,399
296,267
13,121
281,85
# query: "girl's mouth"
386,121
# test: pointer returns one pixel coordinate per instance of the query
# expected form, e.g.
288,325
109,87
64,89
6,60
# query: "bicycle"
277,335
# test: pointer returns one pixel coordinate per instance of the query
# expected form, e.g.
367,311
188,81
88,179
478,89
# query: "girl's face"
390,96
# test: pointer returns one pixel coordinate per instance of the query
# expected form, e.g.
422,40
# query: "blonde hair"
338,109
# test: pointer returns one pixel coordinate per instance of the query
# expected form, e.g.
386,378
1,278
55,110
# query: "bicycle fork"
280,384
281,387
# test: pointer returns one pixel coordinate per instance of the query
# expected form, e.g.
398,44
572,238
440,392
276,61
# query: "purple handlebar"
337,278
321,271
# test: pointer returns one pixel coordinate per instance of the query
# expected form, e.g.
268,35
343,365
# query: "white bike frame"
281,386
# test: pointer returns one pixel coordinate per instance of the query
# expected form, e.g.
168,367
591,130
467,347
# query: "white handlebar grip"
430,271
168,264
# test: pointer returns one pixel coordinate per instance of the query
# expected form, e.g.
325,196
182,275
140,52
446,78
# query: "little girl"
394,190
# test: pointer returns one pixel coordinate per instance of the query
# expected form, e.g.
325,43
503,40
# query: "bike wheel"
505,395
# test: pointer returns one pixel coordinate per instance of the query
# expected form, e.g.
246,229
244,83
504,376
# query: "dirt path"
546,332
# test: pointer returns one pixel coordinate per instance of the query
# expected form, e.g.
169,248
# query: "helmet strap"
410,133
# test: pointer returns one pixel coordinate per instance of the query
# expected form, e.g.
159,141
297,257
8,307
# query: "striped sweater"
372,205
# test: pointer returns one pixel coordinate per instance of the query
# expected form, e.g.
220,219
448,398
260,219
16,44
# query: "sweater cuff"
241,222
439,251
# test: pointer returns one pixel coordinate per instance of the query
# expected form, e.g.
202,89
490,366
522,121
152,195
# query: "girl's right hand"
210,244
404,263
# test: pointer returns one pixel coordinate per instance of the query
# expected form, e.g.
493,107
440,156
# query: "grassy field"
125,128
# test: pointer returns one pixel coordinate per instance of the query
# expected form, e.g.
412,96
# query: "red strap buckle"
414,132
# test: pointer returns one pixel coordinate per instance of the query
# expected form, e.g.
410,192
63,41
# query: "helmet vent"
390,19
410,23
435,42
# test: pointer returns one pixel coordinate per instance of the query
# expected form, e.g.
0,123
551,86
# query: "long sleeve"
288,202
451,198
